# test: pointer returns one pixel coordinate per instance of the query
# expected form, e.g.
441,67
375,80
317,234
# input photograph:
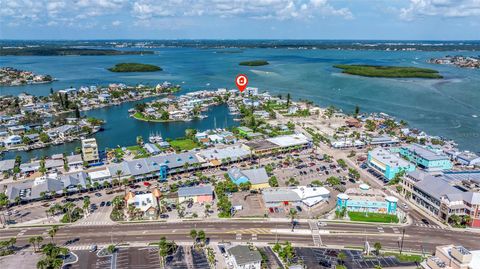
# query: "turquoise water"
440,107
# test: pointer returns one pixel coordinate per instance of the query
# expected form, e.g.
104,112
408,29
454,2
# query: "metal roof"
195,191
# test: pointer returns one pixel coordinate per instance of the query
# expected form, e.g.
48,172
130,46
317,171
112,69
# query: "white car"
321,224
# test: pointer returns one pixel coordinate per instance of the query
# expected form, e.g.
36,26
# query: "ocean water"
443,107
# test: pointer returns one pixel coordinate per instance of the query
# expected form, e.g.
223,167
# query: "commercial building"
365,199
198,194
443,196
147,203
388,163
425,158
257,177
284,196
453,257
278,144
244,257
90,150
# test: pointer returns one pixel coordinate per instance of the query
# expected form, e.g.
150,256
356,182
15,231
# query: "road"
417,238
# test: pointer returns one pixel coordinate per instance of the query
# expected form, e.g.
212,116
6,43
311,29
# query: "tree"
341,257
272,181
86,204
202,237
292,214
377,246
357,111
193,235
111,248
32,240
52,232
288,100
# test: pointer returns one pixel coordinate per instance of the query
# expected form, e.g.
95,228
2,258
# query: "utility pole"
401,245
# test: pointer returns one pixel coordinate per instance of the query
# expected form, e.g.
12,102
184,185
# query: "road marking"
238,237
380,229
254,237
395,230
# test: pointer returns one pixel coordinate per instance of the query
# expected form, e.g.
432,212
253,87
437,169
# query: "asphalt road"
417,238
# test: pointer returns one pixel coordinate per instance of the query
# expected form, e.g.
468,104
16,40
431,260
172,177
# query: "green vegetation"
52,256
62,51
134,67
254,63
388,71
372,217
183,144
405,257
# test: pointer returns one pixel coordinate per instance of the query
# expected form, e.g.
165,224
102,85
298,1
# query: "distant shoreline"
389,71
134,67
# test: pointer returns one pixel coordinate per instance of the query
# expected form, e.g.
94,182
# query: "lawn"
183,144
372,217
138,152
405,257
388,71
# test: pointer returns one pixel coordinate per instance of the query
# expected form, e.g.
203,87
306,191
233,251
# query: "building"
278,144
442,196
258,177
384,140
198,194
7,166
147,203
90,150
365,199
468,159
453,257
152,149
242,130
74,161
425,158
284,196
388,163
243,257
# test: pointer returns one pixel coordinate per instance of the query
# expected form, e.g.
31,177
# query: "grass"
138,152
254,63
373,217
183,144
405,257
388,71
134,67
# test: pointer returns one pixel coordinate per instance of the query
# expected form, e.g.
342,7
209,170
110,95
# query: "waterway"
445,107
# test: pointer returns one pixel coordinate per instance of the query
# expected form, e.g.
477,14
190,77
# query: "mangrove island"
134,67
388,71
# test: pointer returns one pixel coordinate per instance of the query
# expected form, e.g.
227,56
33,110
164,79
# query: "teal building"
425,158
387,163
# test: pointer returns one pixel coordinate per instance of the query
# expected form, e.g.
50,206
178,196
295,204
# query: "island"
389,71
134,67
254,63
10,76
458,60
65,51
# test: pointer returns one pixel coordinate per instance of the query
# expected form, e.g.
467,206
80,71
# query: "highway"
334,234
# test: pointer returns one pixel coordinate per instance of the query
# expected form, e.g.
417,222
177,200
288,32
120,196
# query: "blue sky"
240,19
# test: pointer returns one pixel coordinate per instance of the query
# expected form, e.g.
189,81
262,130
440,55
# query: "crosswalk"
252,231
93,223
79,247
429,226
317,240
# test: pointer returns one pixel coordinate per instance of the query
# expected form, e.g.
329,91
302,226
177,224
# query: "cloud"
440,8
116,23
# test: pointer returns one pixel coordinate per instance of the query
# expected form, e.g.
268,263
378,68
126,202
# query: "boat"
155,138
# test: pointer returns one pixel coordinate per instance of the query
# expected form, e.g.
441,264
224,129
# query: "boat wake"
263,73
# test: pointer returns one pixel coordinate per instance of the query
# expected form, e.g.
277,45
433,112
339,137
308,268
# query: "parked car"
425,221
108,203
93,248
102,204
299,209
98,194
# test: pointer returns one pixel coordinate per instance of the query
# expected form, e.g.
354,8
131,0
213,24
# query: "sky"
241,19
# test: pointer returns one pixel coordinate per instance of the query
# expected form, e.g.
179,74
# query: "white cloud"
116,23
441,8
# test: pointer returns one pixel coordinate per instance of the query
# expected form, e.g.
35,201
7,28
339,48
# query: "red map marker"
241,82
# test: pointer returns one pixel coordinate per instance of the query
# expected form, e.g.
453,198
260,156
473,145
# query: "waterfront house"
388,163
425,158
468,159
257,177
151,148
197,194
17,129
75,161
104,98
90,150
12,140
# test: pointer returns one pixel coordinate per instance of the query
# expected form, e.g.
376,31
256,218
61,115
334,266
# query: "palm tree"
69,206
32,240
39,240
96,185
193,235
207,209
202,237
377,246
293,214
86,204
125,184
119,174
42,264
341,257
52,232
116,202
65,191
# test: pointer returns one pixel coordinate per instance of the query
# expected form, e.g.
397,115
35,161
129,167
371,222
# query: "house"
151,148
64,130
257,177
12,140
7,165
243,257
75,161
199,194
74,182
147,203
17,129
384,140
468,159
352,122
104,97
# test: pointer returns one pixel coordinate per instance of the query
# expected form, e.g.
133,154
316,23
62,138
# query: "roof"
74,179
436,187
388,158
74,159
261,144
244,255
235,152
256,176
425,153
6,165
195,191
308,195
143,201
289,140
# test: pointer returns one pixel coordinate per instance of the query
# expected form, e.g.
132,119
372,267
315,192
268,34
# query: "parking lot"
326,258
